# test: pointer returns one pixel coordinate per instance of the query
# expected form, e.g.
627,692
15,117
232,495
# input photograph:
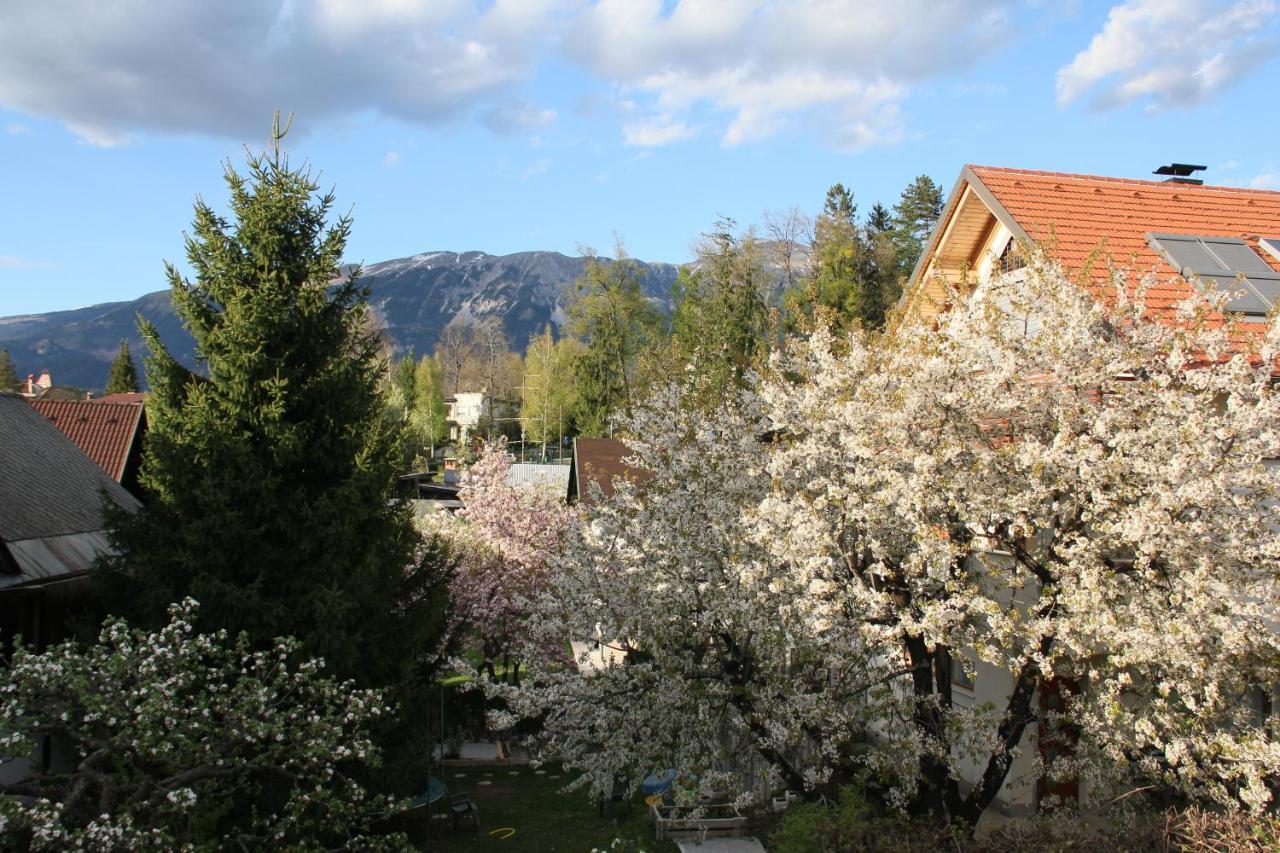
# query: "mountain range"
413,297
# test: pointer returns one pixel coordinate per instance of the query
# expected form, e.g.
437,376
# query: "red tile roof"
106,432
1079,214
123,397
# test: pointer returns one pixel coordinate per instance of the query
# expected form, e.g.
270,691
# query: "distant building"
472,412
34,387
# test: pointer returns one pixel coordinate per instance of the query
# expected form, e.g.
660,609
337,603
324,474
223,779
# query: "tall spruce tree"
123,377
270,471
914,216
9,379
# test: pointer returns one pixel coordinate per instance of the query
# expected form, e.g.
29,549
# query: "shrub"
179,740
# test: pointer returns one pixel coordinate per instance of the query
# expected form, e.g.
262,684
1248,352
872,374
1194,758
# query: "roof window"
1271,245
1226,262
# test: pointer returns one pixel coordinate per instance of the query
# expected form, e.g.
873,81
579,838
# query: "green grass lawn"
544,819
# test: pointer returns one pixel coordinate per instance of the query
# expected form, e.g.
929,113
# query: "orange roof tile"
1078,214
104,431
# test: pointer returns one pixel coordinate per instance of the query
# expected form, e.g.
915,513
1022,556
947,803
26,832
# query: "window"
1011,258
1222,261
1271,246
959,677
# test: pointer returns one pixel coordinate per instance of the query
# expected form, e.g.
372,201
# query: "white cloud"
516,115
16,128
1169,52
840,65
1266,181
14,262
538,167
391,158
660,130
112,69
109,69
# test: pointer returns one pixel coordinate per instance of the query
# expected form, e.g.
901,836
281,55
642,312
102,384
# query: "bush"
853,823
175,739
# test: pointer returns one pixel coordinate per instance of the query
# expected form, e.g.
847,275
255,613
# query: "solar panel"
1227,263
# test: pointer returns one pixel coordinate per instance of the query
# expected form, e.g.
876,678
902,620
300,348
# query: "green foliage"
548,395
415,402
844,287
616,323
428,416
914,217
123,377
269,476
854,824
179,738
9,379
721,318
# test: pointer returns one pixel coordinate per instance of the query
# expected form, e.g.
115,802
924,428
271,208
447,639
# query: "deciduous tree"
609,313
1052,491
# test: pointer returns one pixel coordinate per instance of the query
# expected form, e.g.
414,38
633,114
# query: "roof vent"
1180,173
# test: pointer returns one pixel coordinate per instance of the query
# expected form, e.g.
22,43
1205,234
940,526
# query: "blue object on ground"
659,783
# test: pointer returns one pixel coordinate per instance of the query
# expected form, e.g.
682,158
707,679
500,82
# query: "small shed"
600,461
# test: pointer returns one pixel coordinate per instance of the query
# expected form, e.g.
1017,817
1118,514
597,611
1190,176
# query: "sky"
515,125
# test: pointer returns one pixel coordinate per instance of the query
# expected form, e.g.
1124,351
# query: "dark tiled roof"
106,432
599,461
49,487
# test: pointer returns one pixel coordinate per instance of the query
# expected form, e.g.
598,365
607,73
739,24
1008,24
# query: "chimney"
1180,173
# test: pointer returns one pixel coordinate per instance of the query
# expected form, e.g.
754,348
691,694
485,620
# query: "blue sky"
510,125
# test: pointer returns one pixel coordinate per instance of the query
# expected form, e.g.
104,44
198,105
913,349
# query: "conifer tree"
269,472
123,377
842,286
914,216
9,380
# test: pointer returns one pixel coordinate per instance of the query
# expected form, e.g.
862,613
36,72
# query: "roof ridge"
1172,186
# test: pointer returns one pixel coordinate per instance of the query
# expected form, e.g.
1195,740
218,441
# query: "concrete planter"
715,821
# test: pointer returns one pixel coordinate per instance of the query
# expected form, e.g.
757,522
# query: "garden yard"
541,815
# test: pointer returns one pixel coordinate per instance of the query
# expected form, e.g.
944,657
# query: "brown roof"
50,498
106,432
599,461
1077,215
123,397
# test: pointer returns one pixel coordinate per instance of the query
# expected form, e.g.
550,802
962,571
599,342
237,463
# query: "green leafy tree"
721,319
123,377
609,313
9,380
187,741
548,394
429,416
270,472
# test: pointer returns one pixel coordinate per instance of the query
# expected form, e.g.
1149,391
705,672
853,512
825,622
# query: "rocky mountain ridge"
414,298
